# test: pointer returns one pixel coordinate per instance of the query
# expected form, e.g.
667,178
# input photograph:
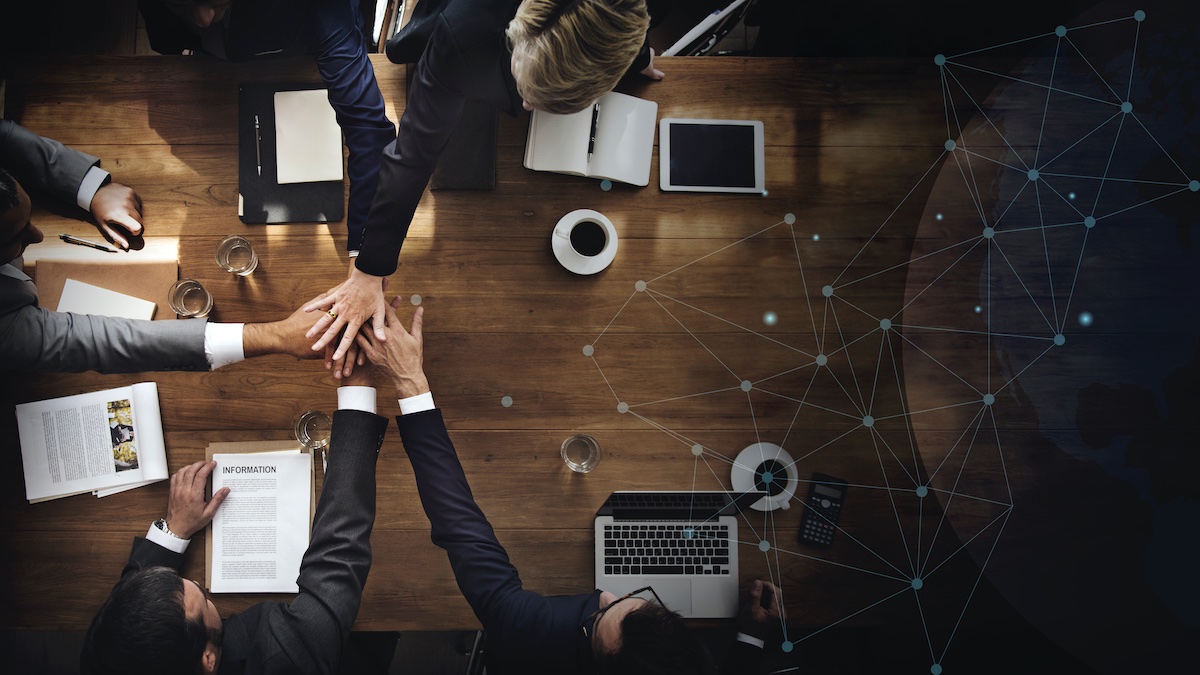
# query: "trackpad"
676,594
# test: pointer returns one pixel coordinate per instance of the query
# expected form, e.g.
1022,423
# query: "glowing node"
789,218
885,324
697,449
640,286
764,546
767,477
765,193
588,350
949,145
917,584
415,299
622,407
1032,174
827,291
787,646
989,399
868,421
988,232
746,385
1194,186
978,309
938,217
1085,319
606,185
817,237
1139,16
1089,222
922,491
1070,195
935,669
939,60
1126,107
822,359
506,401
770,318
688,533
1061,31
1060,339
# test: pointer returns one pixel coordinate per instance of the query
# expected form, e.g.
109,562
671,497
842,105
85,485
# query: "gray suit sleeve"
36,339
43,165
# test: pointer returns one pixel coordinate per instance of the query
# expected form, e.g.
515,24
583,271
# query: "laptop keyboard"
689,549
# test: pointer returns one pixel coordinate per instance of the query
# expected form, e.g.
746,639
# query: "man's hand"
400,357
757,620
118,213
187,512
362,376
650,71
281,337
347,308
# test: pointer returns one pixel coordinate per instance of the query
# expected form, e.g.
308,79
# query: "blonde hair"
568,53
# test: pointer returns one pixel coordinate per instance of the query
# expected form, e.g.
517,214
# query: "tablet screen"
712,155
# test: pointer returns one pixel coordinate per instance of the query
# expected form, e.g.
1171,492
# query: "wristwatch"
161,524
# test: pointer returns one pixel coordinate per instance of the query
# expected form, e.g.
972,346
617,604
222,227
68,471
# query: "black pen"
592,136
84,242
257,145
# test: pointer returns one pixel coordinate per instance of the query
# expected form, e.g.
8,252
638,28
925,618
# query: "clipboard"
261,199
145,279
252,447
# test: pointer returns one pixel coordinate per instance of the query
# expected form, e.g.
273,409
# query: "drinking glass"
581,453
188,298
236,255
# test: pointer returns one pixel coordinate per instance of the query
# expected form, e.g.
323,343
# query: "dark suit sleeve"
43,165
341,54
146,553
307,636
742,659
522,626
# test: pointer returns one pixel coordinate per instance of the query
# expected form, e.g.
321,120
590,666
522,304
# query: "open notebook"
613,139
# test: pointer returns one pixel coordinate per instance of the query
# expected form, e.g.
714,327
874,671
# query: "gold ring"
332,314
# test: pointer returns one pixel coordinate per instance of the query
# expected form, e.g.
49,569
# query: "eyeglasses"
588,627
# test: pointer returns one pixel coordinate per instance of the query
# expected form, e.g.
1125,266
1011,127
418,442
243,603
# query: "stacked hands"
347,308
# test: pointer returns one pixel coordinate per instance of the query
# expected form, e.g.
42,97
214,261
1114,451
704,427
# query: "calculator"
826,495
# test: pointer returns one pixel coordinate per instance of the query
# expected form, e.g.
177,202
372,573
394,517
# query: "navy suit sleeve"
522,626
341,55
43,165
146,553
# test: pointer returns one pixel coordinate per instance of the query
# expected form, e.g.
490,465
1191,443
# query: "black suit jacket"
307,635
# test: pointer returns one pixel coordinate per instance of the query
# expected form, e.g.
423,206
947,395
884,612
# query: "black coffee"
588,238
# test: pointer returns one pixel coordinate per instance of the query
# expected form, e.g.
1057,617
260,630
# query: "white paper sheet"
80,298
308,140
261,531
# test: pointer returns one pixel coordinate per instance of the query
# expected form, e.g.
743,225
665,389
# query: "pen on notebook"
257,145
592,134
84,242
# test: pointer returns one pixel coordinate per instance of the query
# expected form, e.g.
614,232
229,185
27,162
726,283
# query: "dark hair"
143,628
8,191
656,641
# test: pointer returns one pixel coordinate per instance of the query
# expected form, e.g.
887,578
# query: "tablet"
710,155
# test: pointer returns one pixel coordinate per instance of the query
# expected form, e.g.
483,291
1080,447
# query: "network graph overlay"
1052,155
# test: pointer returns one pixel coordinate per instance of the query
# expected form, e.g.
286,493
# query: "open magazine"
103,442
613,139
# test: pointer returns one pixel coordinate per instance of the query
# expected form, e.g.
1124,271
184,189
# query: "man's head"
16,231
568,53
154,621
199,13
635,636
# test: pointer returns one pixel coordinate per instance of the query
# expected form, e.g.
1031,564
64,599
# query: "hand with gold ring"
359,299
332,314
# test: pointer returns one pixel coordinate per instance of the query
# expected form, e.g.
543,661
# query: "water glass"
581,453
188,298
236,255
312,429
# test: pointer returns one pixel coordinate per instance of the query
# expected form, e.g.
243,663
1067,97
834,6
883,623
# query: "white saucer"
748,461
568,257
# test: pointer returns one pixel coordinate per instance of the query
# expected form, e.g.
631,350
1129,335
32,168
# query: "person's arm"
756,625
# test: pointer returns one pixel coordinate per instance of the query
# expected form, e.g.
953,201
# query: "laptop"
683,544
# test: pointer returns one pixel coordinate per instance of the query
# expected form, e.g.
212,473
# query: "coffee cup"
584,241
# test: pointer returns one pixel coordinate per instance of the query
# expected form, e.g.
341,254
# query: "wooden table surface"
846,142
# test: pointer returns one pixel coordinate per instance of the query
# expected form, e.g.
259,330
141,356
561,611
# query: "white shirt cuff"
91,182
353,254
416,404
751,640
167,541
356,398
223,343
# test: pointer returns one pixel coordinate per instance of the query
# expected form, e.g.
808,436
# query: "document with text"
261,531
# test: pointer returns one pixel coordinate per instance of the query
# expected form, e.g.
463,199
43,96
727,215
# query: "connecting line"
745,517
673,434
947,101
1148,201
1034,84
972,594
657,294
962,547
939,363
971,186
1160,147
878,363
882,225
892,498
1102,23
606,382
1063,199
1000,454
851,616
920,522
908,432
927,410
850,364
693,336
1098,75
974,422
753,418
1082,139
954,488
985,49
1110,179
993,160
1017,276
1027,367
960,331
941,274
988,119
1111,152
976,498
1075,279
878,438
803,284
709,255
924,625
973,241
1046,108
1137,31
811,405
855,540
610,321
1049,274
1011,202
827,561
683,397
